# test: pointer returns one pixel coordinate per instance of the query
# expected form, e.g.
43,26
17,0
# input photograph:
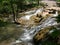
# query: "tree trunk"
38,2
13,11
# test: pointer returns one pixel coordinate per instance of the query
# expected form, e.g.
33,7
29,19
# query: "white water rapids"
30,13
28,35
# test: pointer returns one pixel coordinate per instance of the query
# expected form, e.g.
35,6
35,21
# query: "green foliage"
58,18
3,23
49,43
5,5
52,38
58,0
55,34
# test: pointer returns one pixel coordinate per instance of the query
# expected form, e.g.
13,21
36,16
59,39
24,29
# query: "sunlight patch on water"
27,17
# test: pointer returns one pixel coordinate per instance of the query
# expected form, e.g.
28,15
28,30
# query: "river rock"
35,19
26,23
21,21
44,14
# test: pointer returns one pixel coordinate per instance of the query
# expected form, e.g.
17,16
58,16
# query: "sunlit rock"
43,33
26,23
49,2
35,19
21,21
44,14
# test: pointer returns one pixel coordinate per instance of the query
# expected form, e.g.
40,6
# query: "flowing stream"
28,35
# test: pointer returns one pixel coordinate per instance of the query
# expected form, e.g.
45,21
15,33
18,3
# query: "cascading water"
28,35
29,13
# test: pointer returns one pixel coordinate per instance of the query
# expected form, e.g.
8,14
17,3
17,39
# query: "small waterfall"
28,35
30,13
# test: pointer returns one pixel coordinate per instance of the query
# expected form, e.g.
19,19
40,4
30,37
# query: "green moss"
58,0
2,23
49,43
55,33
